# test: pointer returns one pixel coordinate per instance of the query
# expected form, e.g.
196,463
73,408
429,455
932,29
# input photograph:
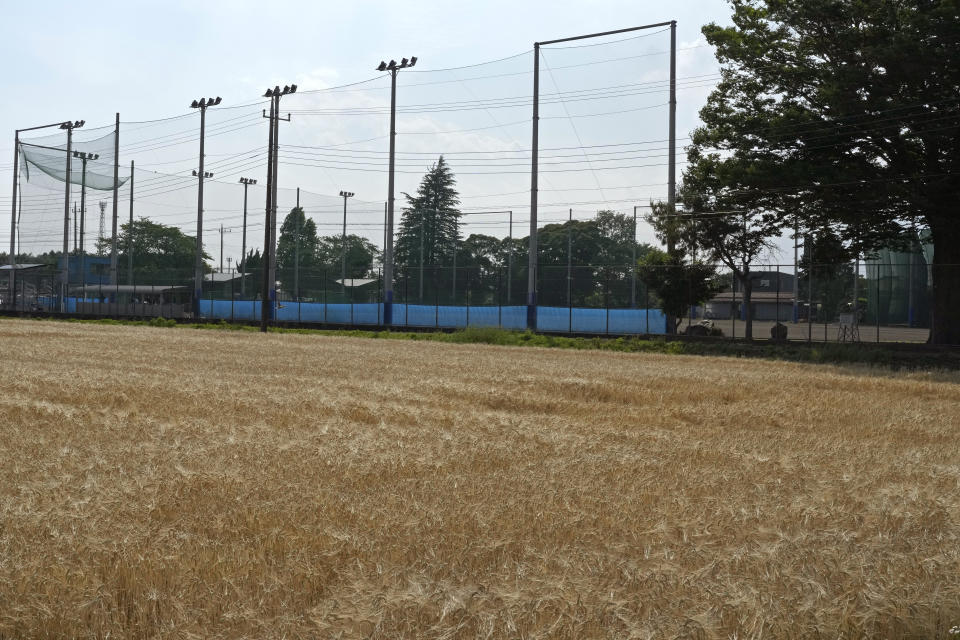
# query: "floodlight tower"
201,104
84,157
393,68
65,270
343,242
270,231
246,182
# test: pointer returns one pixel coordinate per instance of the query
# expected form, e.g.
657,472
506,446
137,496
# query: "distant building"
771,298
88,270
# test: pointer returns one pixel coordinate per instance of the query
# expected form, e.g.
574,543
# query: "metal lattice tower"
103,233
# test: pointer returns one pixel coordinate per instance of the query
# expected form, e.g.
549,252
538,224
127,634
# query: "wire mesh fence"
844,302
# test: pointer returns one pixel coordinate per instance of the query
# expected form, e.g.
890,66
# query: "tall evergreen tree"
298,239
433,217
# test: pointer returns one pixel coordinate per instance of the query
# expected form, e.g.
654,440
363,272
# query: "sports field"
181,483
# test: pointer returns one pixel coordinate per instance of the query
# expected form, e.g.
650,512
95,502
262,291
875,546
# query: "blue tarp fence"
552,319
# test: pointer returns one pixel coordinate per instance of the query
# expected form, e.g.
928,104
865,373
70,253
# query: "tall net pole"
116,188
65,269
265,259
13,218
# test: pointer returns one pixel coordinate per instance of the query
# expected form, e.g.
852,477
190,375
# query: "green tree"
831,265
254,261
841,113
161,254
679,283
481,261
430,228
296,249
360,256
600,252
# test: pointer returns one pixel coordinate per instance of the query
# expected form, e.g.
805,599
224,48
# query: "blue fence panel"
452,317
248,310
514,317
549,319
484,317
309,311
338,313
417,315
366,313
635,321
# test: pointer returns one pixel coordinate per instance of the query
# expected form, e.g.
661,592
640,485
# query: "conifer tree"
432,215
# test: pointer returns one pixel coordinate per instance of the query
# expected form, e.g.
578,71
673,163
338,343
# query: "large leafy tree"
161,254
677,281
296,248
840,114
360,256
430,226
600,253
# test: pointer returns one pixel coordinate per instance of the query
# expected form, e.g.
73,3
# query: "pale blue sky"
148,60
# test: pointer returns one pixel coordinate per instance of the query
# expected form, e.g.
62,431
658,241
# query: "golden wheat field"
179,483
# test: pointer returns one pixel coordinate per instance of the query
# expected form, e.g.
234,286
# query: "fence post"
733,309
646,306
878,302
810,300
436,301
499,301
606,300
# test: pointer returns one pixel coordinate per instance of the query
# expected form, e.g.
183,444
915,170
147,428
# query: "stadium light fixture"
201,104
388,232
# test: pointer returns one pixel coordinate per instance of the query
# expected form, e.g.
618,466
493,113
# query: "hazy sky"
148,60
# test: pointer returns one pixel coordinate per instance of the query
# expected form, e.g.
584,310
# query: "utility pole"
246,182
343,242
202,104
534,176
84,157
453,286
510,259
570,259
130,232
65,270
270,232
633,264
116,192
534,148
76,242
393,68
423,214
296,252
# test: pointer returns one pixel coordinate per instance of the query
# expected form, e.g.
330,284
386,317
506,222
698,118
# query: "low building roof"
355,282
756,296
125,288
20,267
